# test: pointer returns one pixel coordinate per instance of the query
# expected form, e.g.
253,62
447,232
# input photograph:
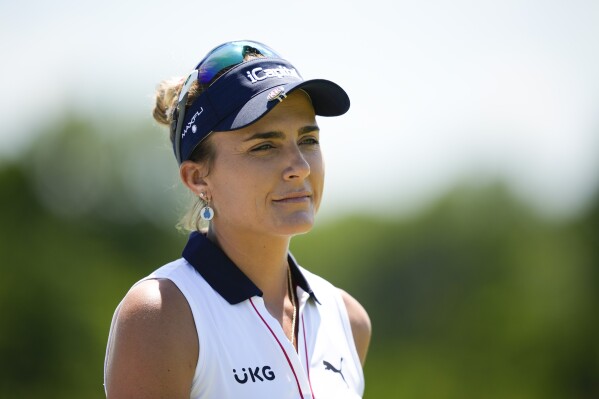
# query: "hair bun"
166,97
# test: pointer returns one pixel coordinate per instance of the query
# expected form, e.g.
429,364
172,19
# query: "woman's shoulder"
157,301
152,299
155,310
155,296
358,317
360,324
154,335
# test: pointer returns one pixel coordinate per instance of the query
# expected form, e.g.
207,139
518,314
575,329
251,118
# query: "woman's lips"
293,198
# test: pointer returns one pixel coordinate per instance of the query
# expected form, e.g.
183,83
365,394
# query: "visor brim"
328,99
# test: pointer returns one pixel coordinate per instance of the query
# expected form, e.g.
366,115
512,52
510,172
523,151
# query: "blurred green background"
473,296
461,203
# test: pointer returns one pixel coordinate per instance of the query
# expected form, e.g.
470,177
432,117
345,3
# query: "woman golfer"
236,316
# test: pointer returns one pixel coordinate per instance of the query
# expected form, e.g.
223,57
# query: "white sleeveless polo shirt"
244,352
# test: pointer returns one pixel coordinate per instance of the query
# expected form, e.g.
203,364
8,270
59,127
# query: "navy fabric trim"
299,279
224,276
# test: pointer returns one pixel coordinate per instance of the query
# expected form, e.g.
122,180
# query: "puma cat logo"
329,366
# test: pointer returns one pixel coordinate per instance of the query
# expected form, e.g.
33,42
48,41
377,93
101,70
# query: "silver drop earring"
206,213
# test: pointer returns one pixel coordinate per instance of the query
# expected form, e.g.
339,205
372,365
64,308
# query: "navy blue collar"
224,276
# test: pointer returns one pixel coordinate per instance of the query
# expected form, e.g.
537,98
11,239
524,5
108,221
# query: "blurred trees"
475,296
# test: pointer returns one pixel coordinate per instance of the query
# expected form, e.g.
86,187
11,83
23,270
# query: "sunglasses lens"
224,56
228,55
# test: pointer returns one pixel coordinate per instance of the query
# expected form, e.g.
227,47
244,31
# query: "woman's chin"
295,224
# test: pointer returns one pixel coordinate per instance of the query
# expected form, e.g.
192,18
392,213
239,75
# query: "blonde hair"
167,94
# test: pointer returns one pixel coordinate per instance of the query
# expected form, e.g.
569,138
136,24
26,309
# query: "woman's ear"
193,175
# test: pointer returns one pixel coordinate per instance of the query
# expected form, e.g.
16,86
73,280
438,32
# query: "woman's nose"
297,165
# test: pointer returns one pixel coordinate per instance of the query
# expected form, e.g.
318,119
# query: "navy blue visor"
244,93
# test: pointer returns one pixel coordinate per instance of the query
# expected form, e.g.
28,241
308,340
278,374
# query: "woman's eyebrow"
280,135
266,135
308,129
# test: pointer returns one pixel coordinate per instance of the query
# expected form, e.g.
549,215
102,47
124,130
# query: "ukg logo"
255,374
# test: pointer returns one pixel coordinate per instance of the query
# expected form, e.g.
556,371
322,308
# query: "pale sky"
441,91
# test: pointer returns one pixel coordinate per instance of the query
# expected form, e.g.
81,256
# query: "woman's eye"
310,141
263,147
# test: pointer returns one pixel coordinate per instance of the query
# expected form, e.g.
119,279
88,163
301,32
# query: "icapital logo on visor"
258,74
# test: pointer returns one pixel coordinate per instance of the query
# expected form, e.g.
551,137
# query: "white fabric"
244,352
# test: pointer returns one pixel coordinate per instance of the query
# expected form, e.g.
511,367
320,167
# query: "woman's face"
268,177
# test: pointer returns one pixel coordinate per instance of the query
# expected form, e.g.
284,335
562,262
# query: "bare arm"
360,324
154,348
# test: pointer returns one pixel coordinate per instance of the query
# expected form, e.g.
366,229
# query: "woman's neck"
262,258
